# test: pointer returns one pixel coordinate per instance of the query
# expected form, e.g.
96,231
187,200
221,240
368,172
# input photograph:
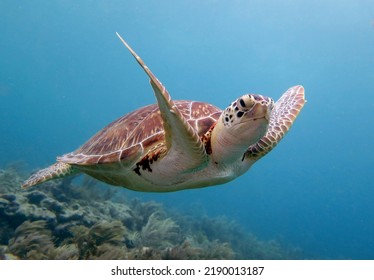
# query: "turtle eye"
245,103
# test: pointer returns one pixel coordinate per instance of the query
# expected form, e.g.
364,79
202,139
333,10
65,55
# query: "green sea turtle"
176,145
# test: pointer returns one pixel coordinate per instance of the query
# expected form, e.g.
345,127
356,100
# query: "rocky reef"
87,220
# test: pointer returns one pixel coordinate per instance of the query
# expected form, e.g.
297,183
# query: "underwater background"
64,75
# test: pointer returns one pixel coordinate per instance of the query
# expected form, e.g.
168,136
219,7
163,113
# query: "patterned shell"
138,132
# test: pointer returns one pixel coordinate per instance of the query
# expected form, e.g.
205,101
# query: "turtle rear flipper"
55,171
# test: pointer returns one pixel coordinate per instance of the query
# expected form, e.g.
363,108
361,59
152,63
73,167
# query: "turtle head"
240,125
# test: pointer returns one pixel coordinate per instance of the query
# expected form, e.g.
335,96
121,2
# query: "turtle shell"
134,134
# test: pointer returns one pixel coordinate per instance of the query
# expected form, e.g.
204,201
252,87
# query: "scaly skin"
178,145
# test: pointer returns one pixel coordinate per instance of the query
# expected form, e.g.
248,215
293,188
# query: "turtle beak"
269,110
267,115
259,111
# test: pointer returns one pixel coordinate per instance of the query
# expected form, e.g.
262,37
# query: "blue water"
64,75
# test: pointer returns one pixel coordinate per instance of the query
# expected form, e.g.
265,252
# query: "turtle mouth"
263,117
266,117
261,110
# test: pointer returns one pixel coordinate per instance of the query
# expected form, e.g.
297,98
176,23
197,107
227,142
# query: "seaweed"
65,252
82,219
101,238
160,232
32,240
245,245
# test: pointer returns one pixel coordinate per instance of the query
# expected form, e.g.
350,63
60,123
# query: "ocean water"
64,75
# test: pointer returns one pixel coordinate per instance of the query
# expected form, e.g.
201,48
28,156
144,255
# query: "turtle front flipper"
284,113
55,171
179,135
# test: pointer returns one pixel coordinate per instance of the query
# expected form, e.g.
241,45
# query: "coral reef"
86,220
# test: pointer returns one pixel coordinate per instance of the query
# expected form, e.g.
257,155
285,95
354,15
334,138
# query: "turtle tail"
55,171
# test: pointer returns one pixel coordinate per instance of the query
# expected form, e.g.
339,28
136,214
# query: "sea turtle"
176,145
